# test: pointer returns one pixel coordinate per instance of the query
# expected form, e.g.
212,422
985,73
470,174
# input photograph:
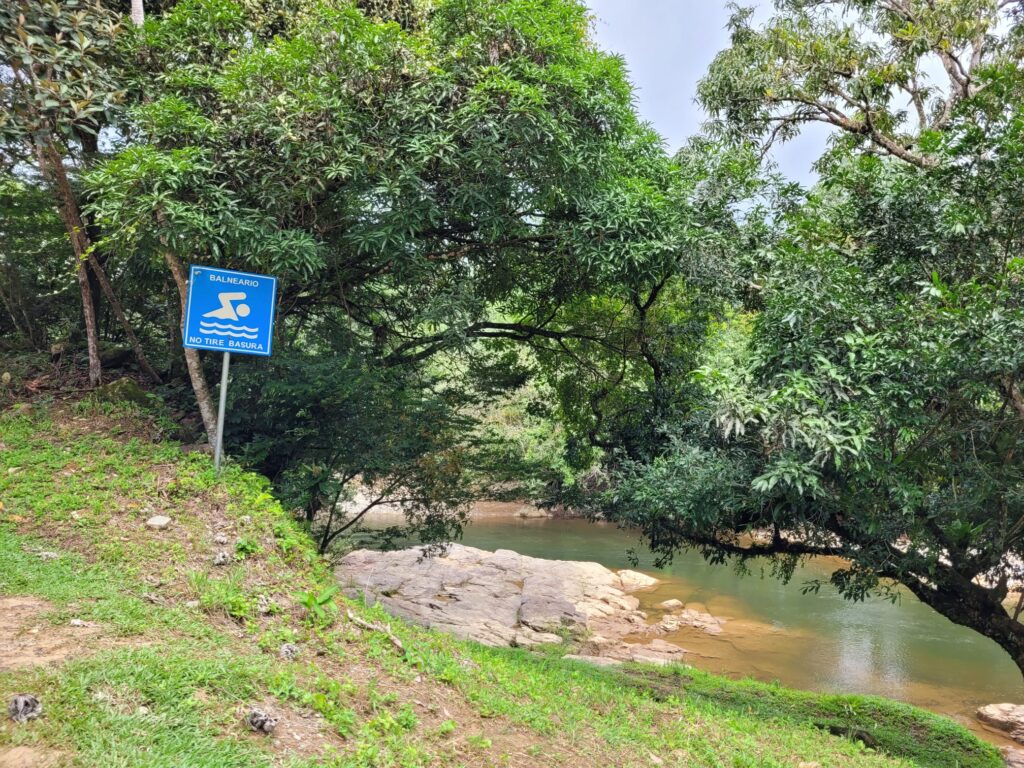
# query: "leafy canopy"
864,401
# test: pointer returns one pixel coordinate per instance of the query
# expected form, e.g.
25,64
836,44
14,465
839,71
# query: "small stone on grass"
289,651
158,522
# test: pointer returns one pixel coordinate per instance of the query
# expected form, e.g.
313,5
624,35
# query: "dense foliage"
493,277
31,285
455,198
870,407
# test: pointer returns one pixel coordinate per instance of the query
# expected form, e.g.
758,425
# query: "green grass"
93,591
889,726
169,691
138,707
669,710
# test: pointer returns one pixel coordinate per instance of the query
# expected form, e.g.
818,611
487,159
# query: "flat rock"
1014,758
1006,717
641,656
690,617
636,580
530,512
669,649
158,522
497,598
528,638
655,651
671,605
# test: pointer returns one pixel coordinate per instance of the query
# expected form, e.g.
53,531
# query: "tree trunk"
52,166
976,607
173,331
98,274
195,365
115,304
89,143
138,13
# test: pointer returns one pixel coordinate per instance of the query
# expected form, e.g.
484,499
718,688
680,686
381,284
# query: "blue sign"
230,311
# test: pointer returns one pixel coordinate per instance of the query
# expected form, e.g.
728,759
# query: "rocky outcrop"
1005,717
688,617
1008,718
530,512
504,598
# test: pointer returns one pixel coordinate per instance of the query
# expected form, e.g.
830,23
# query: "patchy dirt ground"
28,639
299,733
30,757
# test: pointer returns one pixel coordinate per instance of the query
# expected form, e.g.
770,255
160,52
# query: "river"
904,651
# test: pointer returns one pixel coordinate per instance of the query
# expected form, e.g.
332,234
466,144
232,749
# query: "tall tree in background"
889,74
868,405
56,86
54,78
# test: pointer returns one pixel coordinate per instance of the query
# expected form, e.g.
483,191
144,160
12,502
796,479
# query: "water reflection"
904,651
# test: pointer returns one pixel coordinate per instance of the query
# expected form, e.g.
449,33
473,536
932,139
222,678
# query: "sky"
667,46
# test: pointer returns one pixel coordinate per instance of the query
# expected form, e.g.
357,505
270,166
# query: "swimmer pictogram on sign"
228,310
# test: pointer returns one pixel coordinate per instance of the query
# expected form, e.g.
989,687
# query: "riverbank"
775,633
154,607
581,611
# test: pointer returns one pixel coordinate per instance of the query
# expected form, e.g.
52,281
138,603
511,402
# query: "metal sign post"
218,447
229,312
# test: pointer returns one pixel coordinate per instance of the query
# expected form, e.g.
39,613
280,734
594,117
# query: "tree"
33,282
866,67
430,191
398,436
55,88
866,403
49,70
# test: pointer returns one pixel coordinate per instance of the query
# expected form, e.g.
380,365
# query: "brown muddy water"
821,642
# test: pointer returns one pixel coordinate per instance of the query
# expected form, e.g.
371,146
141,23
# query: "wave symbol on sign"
228,311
